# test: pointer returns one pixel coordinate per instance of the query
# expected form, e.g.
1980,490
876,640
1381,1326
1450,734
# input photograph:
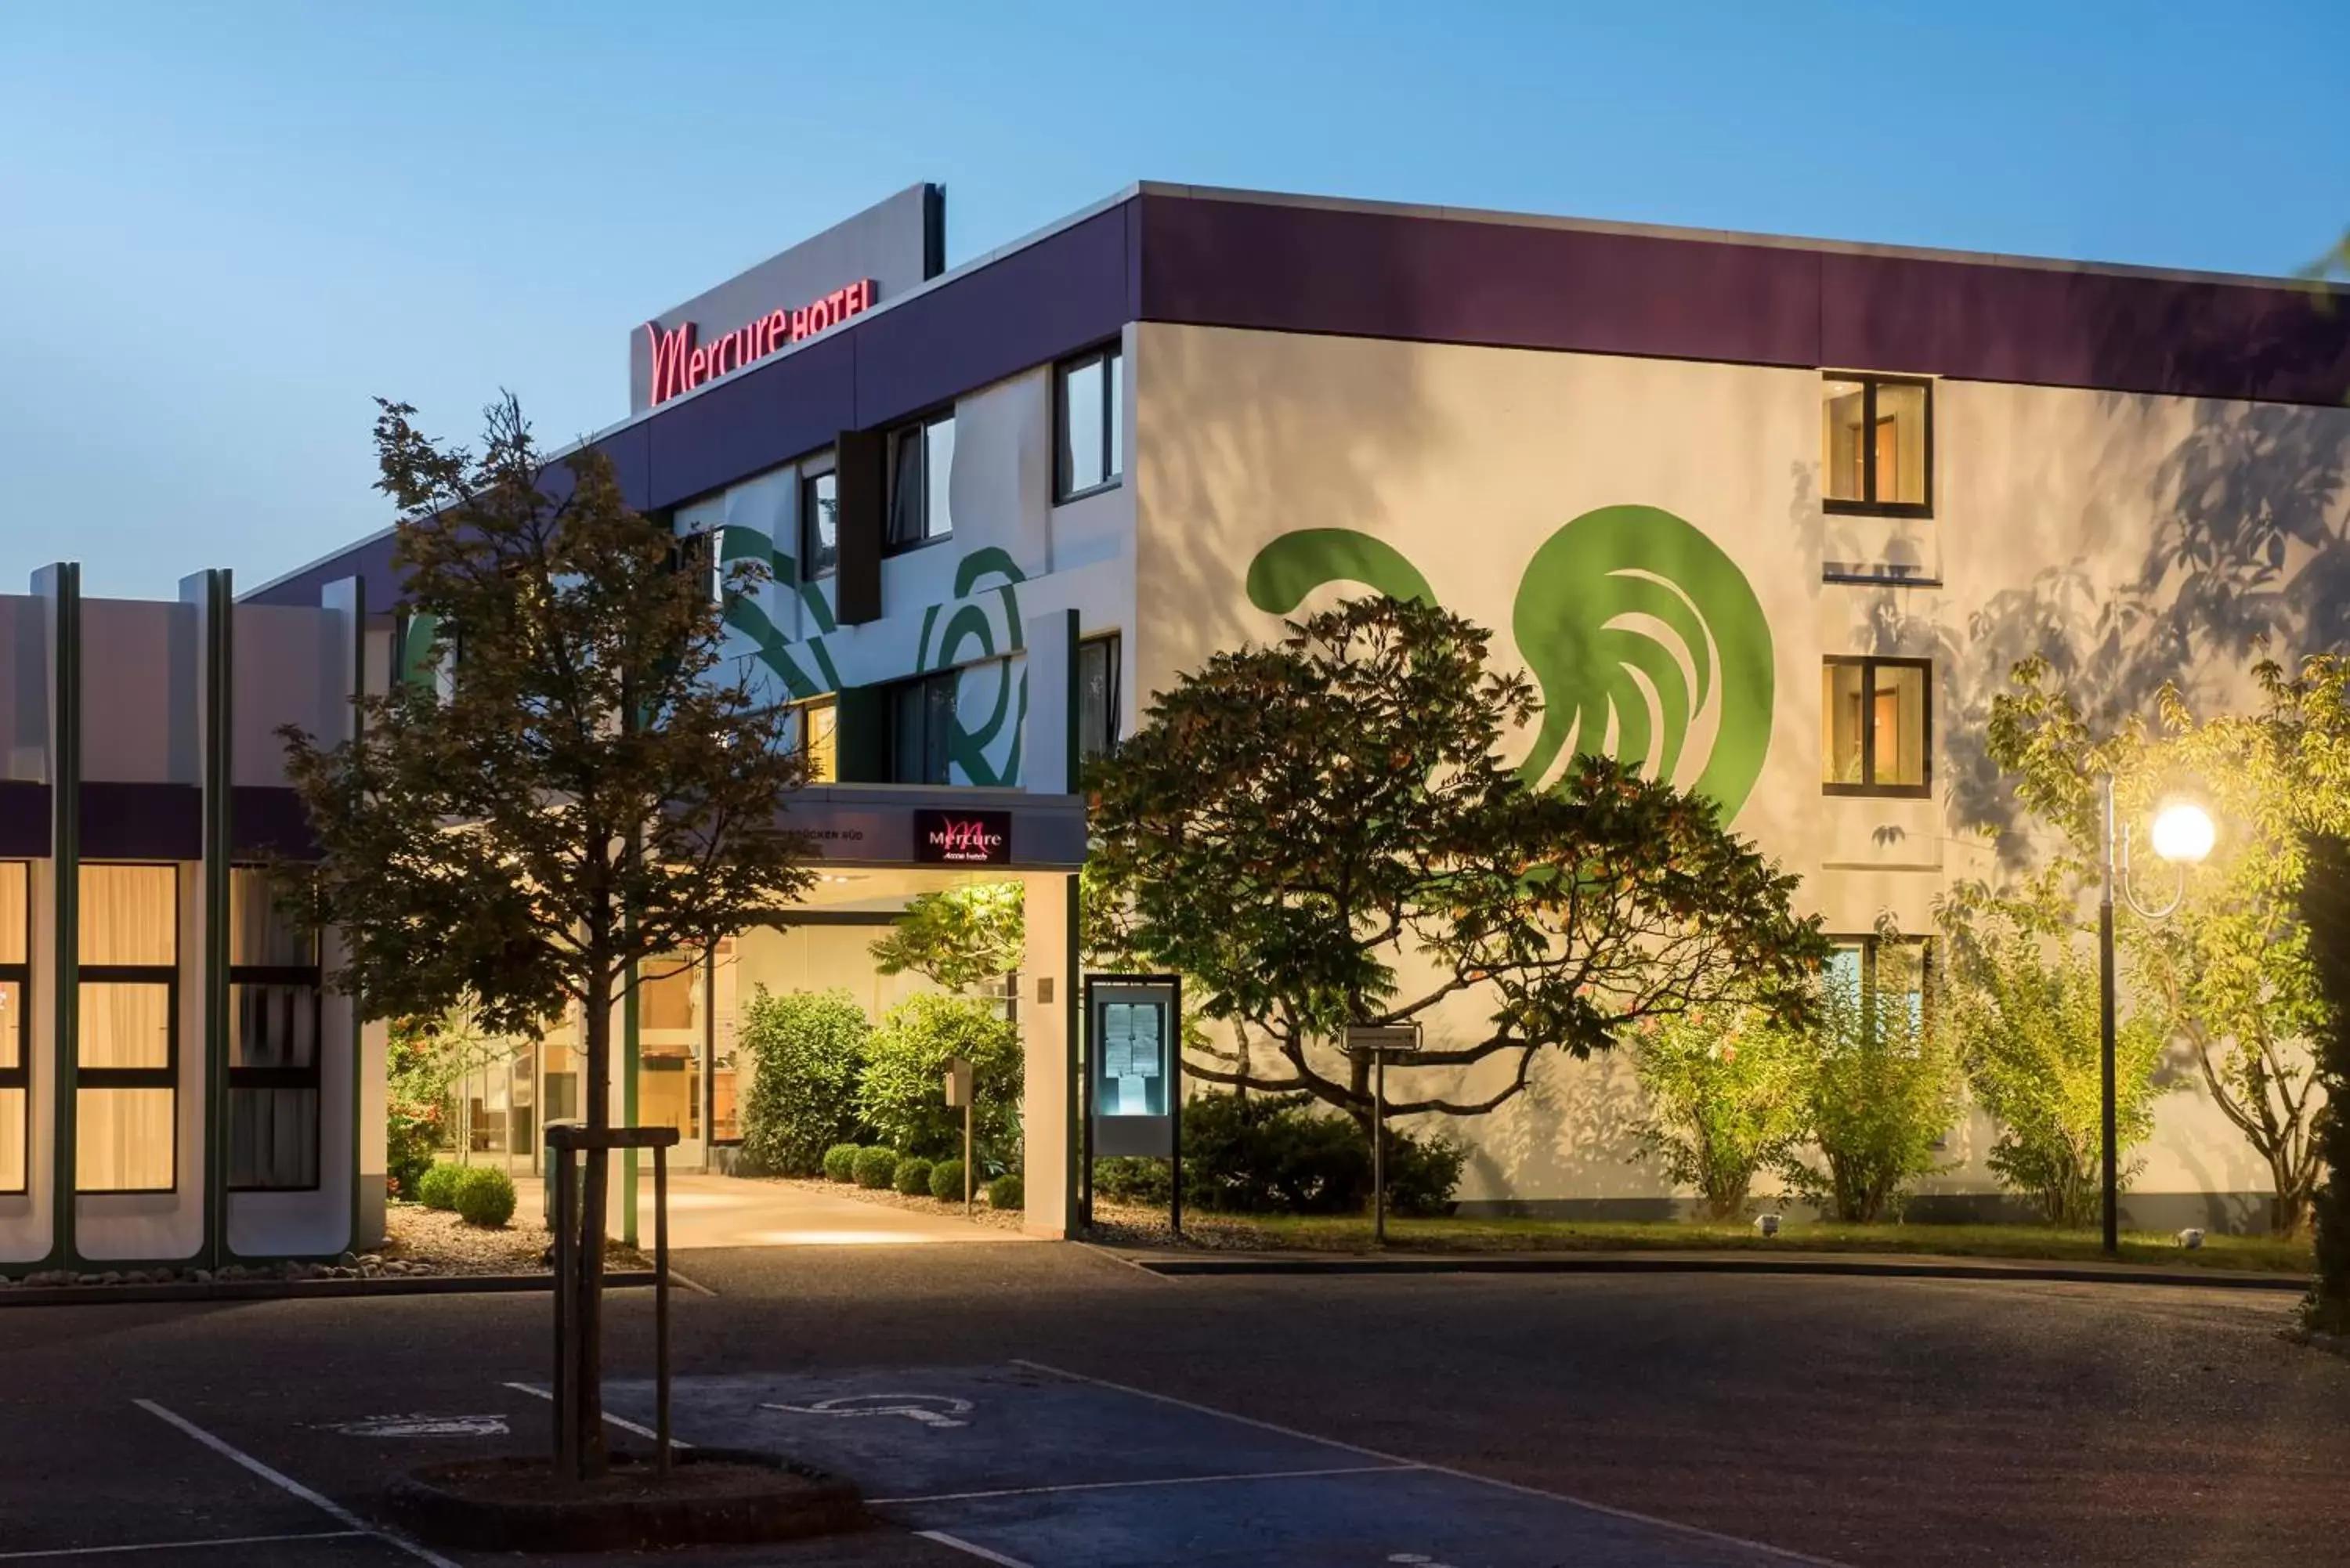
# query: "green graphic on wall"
1631,621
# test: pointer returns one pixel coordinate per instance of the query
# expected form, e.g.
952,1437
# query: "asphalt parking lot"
1119,1417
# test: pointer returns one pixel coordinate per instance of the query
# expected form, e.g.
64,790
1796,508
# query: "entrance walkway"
733,1211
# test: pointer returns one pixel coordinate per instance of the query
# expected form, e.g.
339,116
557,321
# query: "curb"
284,1290
1829,1264
796,1502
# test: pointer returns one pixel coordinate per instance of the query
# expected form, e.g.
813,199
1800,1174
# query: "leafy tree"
2229,970
2325,907
1726,1100
584,791
2024,1011
1297,826
901,1096
1881,1089
957,936
809,1047
424,1060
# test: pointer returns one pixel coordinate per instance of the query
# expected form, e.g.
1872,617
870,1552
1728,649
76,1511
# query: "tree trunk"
587,1412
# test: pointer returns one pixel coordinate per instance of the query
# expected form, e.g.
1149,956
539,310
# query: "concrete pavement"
707,1212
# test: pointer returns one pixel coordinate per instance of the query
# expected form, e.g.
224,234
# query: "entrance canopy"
939,828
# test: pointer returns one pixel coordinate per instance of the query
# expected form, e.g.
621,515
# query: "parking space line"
1781,1553
326,1505
178,1545
620,1421
1148,1481
982,1552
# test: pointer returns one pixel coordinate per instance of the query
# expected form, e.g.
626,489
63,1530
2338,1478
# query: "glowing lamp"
2183,833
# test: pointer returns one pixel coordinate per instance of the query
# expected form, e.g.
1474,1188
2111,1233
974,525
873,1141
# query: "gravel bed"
889,1197
1140,1225
445,1244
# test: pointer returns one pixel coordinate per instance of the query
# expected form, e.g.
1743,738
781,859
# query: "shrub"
874,1166
437,1187
840,1162
485,1196
901,1098
809,1047
409,1142
1283,1154
912,1177
1881,1090
1423,1172
1130,1179
1725,1092
946,1181
1004,1192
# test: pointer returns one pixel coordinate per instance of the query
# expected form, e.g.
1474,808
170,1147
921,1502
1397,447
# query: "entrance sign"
962,837
1134,1076
681,364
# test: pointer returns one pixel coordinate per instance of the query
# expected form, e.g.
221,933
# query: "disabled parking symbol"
933,1410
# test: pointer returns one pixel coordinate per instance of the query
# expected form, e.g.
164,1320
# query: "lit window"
819,527
1876,436
670,1041
16,975
274,1001
818,737
1089,419
922,460
126,1096
1097,662
1876,726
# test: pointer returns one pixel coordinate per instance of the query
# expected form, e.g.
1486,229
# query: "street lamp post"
2183,834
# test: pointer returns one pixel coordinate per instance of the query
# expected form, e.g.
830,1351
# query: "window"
921,728
273,1045
126,1090
15,974
921,457
819,527
695,555
1876,438
1097,662
1088,424
815,735
1877,726
1873,966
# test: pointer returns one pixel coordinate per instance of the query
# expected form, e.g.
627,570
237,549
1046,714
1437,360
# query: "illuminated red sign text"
681,363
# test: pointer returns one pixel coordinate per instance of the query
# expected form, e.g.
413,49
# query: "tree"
809,1047
957,936
2229,972
2025,1013
1726,1098
1881,1090
2326,906
582,791
1318,833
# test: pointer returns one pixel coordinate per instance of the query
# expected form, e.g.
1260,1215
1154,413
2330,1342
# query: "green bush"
1725,1100
912,1177
874,1166
1283,1154
946,1181
409,1142
901,1096
485,1196
840,1162
1423,1172
1004,1192
809,1048
437,1187
1132,1178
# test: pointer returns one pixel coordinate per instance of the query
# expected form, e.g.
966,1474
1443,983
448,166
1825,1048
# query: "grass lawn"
1464,1234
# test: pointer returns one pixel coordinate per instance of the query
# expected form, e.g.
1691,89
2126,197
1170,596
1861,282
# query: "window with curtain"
1097,661
921,459
274,1009
1087,424
817,736
819,526
127,1057
16,977
1877,444
1876,726
922,729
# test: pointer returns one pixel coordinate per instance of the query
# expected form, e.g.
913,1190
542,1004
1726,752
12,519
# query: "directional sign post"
1378,1041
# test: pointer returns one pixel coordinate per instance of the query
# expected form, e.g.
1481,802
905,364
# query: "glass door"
670,1013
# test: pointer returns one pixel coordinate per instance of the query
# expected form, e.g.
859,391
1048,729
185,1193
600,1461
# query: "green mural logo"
1640,632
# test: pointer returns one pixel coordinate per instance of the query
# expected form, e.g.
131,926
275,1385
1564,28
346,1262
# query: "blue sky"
224,226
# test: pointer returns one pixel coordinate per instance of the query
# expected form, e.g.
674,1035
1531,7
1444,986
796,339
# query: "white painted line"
982,1552
620,1421
1156,1480
326,1505
179,1545
1783,1553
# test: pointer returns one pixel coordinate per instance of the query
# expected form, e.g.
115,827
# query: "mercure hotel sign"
885,251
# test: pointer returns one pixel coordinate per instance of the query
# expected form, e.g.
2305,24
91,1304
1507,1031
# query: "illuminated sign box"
962,837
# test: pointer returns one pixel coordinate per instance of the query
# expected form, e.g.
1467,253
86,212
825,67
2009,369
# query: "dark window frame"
20,1077
1113,389
697,550
917,429
804,742
167,1077
1114,642
1871,944
311,976
1868,664
925,683
806,553
1868,506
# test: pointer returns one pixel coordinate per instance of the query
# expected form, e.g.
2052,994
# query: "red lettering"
679,364
697,368
779,328
799,324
